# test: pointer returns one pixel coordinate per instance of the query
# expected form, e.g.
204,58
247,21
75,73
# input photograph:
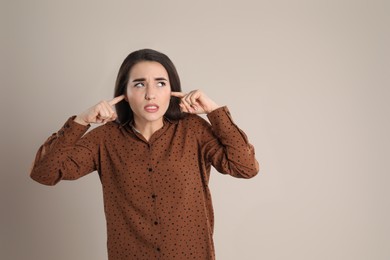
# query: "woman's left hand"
195,102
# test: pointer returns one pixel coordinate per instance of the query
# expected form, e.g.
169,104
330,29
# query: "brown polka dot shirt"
156,196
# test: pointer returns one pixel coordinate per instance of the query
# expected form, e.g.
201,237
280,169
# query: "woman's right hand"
102,112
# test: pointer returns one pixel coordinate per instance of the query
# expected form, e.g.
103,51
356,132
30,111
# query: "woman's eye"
161,84
139,85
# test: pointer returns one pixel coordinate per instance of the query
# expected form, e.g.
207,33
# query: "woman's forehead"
144,69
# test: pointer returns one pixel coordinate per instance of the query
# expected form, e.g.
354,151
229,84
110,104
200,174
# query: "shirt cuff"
223,125
72,131
221,119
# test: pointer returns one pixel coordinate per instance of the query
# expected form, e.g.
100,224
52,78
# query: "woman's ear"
125,94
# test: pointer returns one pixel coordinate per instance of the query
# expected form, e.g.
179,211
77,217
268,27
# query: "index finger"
116,100
178,94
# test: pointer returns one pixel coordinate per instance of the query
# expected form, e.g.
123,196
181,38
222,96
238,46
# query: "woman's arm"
67,156
227,146
223,144
61,157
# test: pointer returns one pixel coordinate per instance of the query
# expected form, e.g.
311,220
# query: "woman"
153,156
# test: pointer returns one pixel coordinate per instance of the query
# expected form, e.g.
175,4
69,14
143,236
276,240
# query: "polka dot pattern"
156,196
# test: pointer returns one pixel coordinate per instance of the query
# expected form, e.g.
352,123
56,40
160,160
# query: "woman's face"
148,92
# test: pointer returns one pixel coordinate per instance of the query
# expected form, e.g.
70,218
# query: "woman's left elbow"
250,172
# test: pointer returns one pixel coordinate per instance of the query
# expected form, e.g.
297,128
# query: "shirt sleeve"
227,147
65,155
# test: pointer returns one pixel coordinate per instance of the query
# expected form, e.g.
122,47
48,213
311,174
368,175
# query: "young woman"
153,156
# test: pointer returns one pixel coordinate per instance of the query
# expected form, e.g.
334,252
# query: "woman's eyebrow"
143,79
138,80
161,78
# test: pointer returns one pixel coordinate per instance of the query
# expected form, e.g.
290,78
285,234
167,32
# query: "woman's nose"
149,93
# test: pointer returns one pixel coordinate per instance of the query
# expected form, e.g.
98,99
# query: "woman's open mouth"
151,108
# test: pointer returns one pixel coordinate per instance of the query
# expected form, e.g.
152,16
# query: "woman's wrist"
212,108
80,121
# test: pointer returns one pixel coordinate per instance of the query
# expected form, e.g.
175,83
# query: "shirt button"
154,196
155,222
150,169
158,249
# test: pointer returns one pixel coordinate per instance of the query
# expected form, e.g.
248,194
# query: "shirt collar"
130,123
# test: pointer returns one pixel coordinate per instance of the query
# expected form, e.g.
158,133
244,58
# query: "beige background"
307,80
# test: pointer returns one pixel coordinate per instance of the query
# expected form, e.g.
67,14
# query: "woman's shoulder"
106,130
193,120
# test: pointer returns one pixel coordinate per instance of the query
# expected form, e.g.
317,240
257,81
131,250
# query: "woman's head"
147,57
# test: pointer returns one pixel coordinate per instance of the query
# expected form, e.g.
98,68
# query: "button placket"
153,176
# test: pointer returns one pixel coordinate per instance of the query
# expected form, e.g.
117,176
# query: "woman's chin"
150,118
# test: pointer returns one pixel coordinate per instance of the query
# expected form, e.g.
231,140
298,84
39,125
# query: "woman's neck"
147,129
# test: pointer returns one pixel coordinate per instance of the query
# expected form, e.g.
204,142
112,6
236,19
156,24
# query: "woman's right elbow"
45,179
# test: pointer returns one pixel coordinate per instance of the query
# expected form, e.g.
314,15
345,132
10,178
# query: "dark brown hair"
125,114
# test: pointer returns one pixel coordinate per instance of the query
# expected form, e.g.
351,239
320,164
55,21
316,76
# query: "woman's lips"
151,108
